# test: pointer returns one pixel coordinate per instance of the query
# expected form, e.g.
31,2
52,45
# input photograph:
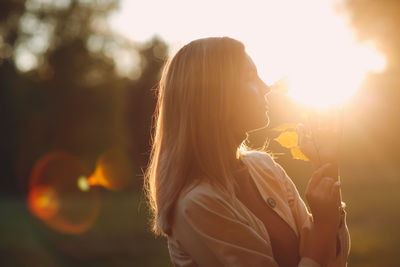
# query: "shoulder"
262,161
256,154
269,169
202,197
199,206
258,157
261,157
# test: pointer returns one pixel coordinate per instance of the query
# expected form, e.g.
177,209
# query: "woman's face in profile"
251,108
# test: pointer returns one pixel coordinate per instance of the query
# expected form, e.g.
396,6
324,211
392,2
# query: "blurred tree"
143,101
10,13
378,21
69,83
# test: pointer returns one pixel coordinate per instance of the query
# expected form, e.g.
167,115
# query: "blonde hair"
194,133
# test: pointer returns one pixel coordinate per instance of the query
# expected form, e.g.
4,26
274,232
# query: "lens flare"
43,202
83,183
56,196
114,170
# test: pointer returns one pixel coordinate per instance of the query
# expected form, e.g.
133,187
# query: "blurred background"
78,85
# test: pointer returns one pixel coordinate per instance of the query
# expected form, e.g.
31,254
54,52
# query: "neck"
237,163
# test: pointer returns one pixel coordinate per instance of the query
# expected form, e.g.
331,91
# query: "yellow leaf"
297,154
287,139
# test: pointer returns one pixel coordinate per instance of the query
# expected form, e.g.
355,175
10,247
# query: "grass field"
120,235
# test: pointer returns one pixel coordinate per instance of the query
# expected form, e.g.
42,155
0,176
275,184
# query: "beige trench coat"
209,230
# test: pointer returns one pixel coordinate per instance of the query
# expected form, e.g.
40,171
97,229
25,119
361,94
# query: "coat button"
271,202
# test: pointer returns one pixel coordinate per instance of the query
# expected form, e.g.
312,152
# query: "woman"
217,202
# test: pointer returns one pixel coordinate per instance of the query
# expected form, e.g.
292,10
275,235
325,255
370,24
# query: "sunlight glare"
306,41
332,78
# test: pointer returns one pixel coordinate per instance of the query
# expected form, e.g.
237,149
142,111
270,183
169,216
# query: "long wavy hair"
195,135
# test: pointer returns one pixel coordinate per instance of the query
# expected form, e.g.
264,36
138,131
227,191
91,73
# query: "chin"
265,121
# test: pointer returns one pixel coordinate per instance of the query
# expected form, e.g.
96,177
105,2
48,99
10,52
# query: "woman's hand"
323,196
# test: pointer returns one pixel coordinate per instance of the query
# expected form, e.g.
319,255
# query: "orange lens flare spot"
59,194
98,178
114,170
43,202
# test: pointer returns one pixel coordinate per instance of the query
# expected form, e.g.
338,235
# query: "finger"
300,128
303,138
335,191
329,190
321,170
324,187
303,130
317,176
335,196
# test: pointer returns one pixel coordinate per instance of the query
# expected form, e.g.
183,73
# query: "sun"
307,41
330,79
320,60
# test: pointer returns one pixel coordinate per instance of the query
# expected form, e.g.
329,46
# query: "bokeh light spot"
43,202
114,170
55,198
83,184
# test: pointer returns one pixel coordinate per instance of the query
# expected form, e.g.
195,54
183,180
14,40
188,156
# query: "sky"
308,42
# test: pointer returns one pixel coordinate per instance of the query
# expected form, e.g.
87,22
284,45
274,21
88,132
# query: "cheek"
247,99
249,106
250,112
253,89
253,99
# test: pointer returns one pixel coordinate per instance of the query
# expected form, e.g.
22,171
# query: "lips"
266,101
